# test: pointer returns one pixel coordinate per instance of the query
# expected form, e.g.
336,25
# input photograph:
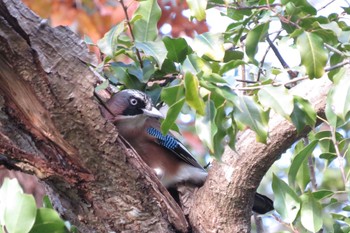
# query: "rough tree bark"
231,184
50,126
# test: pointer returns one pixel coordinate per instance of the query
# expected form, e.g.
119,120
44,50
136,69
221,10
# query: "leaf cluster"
18,212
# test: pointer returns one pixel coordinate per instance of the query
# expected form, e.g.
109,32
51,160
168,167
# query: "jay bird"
137,120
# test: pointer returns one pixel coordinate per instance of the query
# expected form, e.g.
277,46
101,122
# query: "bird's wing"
171,143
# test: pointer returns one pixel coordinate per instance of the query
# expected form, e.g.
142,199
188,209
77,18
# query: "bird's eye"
133,101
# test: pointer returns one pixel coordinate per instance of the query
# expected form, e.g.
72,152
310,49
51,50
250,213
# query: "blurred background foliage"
219,67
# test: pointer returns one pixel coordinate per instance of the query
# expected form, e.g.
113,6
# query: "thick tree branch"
231,184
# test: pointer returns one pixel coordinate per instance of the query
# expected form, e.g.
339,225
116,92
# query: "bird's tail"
262,204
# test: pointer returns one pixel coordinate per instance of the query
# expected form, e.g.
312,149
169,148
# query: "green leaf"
171,116
177,49
192,93
231,55
286,202
299,159
302,178
253,38
20,213
145,28
321,194
252,115
156,50
278,99
48,220
220,119
339,96
195,64
311,213
170,95
230,65
303,113
128,75
334,60
223,91
313,54
108,43
209,44
47,203
197,8
206,127
8,189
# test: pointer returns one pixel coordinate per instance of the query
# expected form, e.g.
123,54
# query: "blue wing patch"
173,145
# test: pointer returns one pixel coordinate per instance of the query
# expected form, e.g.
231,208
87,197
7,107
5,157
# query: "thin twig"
346,62
258,223
292,74
246,81
125,9
311,166
284,224
264,57
274,84
261,7
329,3
334,49
339,155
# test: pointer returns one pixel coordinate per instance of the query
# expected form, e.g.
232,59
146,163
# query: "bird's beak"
153,113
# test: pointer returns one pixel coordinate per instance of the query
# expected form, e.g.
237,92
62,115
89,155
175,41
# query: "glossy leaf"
321,194
192,93
286,202
339,96
253,38
47,203
145,27
303,113
209,44
278,99
48,220
128,75
108,43
220,119
311,213
195,64
206,127
299,159
302,178
156,50
230,66
172,114
197,8
252,115
313,54
223,91
8,189
231,55
177,49
172,94
20,213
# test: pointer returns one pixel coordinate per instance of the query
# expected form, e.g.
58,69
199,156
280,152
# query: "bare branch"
238,7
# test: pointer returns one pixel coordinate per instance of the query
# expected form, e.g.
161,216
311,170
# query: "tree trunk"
51,126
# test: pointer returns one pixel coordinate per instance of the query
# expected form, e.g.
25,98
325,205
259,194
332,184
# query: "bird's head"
129,103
